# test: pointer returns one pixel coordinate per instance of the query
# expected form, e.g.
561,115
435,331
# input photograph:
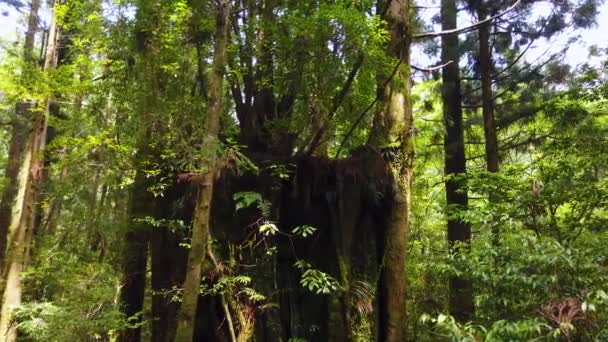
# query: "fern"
247,199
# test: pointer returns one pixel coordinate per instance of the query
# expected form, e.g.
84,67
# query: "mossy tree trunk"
204,183
142,202
393,126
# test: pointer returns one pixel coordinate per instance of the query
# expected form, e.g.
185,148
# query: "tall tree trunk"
17,145
393,124
143,204
485,68
489,121
168,262
201,217
19,251
135,256
460,289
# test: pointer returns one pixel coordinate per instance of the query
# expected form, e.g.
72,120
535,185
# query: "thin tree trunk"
91,225
98,243
54,211
201,217
17,145
393,124
19,251
485,66
489,121
460,289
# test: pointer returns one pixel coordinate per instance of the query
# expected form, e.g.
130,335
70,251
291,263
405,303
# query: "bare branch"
466,28
433,68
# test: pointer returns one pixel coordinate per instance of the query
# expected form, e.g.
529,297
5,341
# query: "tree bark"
489,121
17,145
485,68
168,263
393,124
134,269
142,206
259,106
460,289
201,217
143,203
19,251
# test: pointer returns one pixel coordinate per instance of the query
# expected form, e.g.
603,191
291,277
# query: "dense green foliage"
131,99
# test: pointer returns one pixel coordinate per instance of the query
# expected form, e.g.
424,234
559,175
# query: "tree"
459,232
393,124
142,202
486,69
20,249
18,142
201,216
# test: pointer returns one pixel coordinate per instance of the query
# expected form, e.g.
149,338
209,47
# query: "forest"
303,171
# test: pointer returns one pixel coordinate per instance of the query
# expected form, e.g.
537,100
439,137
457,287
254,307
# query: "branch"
228,318
340,97
15,4
536,139
218,268
433,68
515,83
514,62
337,102
504,77
466,28
358,121
426,7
